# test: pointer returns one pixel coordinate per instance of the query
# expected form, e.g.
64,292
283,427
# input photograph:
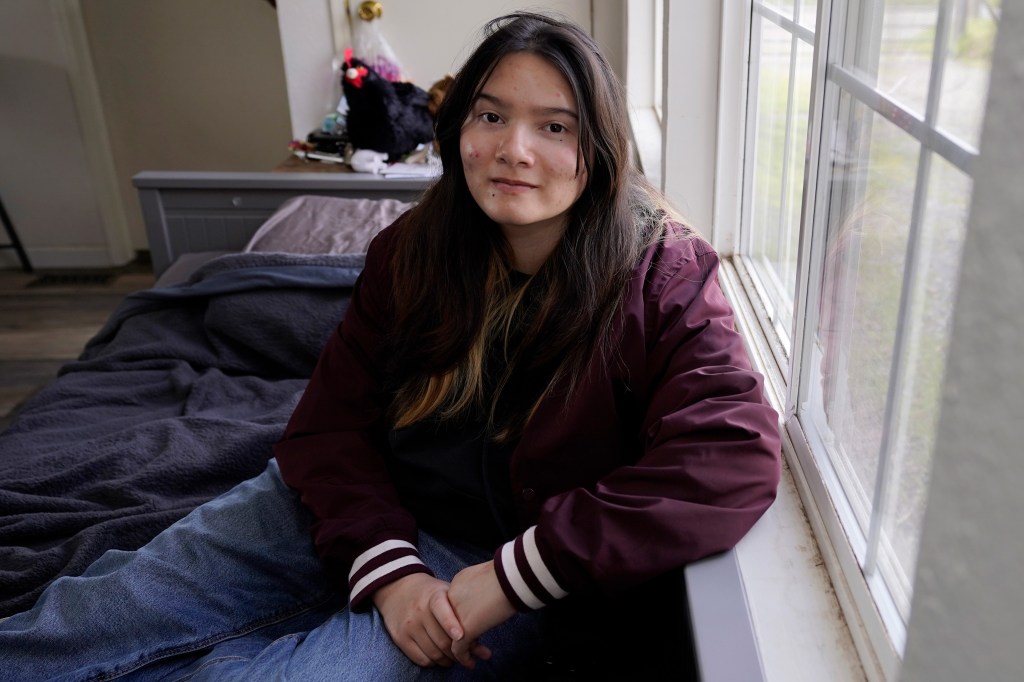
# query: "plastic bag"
373,50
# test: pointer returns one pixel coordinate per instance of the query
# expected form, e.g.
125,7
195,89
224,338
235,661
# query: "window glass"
789,237
770,150
783,7
872,188
883,230
808,13
893,47
779,160
968,61
659,57
943,230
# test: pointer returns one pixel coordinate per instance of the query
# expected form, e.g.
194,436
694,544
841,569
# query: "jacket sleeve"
710,458
331,452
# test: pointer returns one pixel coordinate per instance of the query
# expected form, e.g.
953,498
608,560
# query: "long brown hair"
454,297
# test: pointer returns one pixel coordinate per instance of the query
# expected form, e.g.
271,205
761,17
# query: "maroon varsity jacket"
664,455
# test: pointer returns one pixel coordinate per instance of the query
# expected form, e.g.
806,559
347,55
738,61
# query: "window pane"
869,380
659,56
965,80
789,237
808,13
892,47
769,151
942,236
779,158
872,190
783,7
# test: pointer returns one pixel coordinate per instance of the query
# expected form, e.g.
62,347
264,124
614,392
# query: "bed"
181,394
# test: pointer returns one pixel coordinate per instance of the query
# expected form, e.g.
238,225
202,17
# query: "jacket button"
529,494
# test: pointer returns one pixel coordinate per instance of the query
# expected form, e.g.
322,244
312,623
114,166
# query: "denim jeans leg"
234,565
355,647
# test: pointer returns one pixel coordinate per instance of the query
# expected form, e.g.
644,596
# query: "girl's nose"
514,147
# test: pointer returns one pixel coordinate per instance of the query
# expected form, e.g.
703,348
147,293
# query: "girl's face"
520,147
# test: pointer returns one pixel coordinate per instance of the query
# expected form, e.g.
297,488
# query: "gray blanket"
178,398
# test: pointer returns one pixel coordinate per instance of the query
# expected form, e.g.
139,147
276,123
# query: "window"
862,127
778,104
644,21
657,49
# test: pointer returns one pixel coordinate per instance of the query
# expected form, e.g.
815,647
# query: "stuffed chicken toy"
384,116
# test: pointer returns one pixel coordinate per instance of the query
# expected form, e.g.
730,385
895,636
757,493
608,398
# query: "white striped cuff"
380,565
524,576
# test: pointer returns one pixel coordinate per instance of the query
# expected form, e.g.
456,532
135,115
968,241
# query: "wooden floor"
46,322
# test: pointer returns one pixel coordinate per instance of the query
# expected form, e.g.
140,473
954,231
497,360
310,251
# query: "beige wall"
188,85
433,38
429,39
94,91
45,174
97,90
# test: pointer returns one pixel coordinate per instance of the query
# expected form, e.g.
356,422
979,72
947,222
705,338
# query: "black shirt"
451,474
455,481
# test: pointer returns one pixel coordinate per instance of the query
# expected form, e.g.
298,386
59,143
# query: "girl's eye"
491,117
556,128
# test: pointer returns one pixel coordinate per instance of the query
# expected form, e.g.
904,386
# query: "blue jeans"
234,591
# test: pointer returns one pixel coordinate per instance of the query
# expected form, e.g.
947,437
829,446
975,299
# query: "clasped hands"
437,623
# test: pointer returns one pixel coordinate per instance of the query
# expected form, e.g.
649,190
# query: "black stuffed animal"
384,116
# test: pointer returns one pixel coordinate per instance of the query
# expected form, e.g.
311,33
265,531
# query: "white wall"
45,172
690,114
968,613
188,85
429,39
94,91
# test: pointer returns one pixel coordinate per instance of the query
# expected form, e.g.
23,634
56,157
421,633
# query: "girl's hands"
419,618
435,623
480,604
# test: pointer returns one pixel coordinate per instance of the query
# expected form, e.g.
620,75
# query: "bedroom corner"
96,91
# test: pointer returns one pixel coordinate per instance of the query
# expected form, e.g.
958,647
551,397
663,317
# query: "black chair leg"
15,244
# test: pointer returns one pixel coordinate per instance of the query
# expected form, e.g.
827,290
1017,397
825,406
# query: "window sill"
800,630
796,618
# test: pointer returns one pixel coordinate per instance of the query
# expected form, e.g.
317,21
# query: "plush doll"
384,116
437,92
368,161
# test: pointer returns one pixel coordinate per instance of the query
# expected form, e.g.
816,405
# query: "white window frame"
877,655
868,603
862,553
644,84
875,624
767,285
866,627
702,167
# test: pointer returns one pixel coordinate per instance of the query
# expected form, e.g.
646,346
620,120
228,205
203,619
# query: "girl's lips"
512,186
